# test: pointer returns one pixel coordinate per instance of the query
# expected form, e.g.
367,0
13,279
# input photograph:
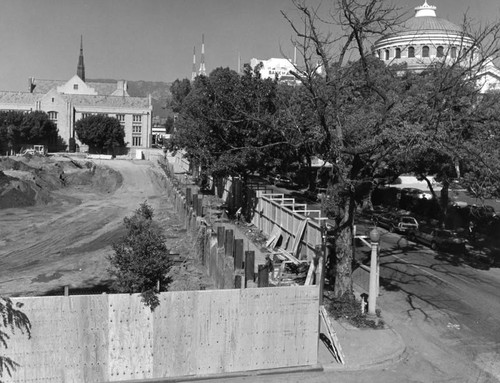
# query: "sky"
153,40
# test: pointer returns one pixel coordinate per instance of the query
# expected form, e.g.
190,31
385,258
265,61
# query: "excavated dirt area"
59,216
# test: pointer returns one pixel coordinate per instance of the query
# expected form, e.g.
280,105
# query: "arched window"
425,51
453,52
440,51
398,53
411,52
387,54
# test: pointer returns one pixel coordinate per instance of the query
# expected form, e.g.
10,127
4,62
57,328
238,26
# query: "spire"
425,10
193,72
80,71
202,70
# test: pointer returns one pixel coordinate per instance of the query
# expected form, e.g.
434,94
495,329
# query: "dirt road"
46,247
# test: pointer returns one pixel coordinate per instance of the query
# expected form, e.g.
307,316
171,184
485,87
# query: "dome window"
387,54
398,53
425,51
440,51
411,52
453,52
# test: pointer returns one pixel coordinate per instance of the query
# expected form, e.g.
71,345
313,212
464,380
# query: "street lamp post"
372,296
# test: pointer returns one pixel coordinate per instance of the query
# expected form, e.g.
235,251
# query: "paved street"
446,310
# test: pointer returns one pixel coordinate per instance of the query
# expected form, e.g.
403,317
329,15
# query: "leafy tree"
227,122
169,125
141,260
179,90
101,133
35,128
11,318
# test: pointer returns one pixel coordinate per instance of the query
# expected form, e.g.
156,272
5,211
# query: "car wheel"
434,246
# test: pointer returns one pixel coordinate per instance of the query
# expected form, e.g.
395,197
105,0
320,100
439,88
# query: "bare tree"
371,114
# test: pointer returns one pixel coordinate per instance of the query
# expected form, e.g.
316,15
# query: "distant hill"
159,90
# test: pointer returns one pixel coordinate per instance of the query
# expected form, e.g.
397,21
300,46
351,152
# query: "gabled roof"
102,88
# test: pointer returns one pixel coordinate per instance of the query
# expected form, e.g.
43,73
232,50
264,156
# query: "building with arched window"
425,39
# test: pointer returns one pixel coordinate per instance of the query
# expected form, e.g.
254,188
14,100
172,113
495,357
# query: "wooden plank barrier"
191,333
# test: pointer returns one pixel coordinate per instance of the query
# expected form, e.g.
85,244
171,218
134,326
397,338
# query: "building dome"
422,40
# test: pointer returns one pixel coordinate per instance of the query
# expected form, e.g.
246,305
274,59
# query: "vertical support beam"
221,232
249,266
238,254
263,280
188,196
229,243
66,291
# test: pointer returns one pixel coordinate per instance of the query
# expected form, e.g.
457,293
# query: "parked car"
396,222
438,239
282,181
416,193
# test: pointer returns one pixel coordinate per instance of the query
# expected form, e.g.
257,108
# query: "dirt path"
44,248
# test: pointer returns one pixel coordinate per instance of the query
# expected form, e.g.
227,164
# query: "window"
453,52
121,118
85,115
136,118
75,86
411,52
53,117
136,129
440,51
425,51
136,141
398,53
387,54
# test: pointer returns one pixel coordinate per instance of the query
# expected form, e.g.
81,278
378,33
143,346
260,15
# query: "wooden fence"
300,229
98,338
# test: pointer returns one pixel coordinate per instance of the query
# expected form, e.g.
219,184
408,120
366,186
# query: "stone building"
67,101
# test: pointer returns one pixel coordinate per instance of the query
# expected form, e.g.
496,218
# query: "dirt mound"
30,180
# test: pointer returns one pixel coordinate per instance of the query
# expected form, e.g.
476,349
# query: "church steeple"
81,67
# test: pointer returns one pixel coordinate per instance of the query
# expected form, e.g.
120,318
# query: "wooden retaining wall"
276,214
98,338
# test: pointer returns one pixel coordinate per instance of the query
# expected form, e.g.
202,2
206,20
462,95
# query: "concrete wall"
116,338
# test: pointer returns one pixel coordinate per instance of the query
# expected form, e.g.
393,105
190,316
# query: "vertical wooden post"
195,203
188,196
238,254
220,236
199,211
66,291
229,243
237,281
263,280
249,266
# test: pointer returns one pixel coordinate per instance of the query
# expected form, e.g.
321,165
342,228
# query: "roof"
103,88
430,23
8,97
113,101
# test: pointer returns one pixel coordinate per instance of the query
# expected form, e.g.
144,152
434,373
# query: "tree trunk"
343,262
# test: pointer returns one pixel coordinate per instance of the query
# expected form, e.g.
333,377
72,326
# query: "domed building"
425,39
422,40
